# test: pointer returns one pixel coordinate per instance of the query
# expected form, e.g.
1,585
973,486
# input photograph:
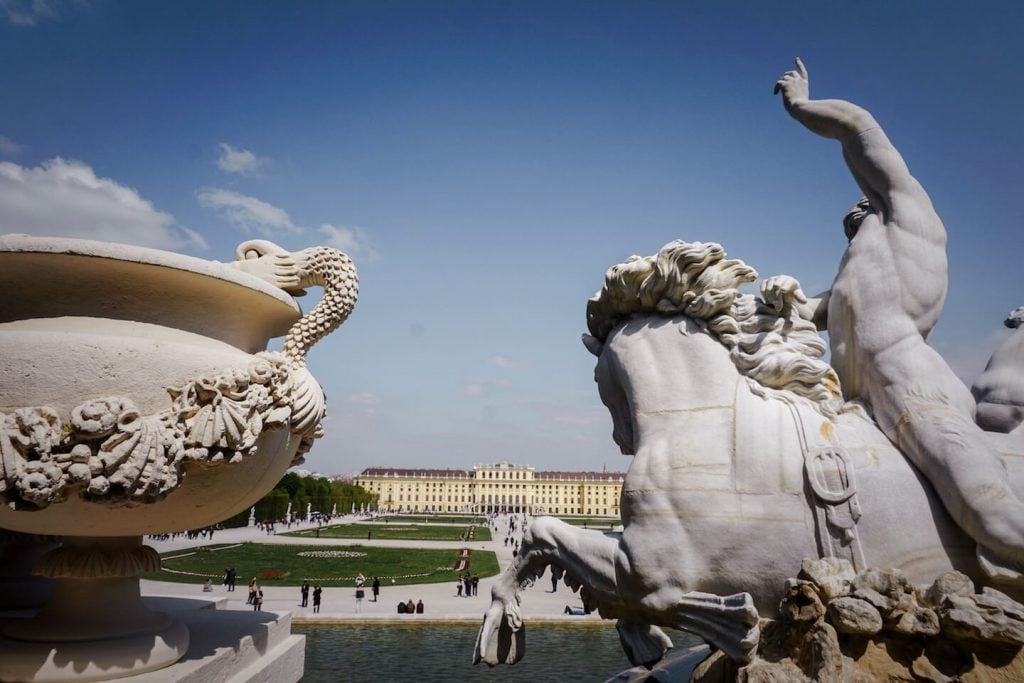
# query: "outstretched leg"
588,558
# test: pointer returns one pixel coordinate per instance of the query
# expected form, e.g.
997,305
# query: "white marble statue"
751,452
999,390
883,304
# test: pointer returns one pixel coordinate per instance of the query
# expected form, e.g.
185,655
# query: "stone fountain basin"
82,320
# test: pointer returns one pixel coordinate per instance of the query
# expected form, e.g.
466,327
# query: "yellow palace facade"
494,488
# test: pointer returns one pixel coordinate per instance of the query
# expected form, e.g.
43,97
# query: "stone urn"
137,397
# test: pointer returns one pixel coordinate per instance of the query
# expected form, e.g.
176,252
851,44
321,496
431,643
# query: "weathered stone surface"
950,583
908,618
889,582
830,575
822,659
923,669
875,599
991,616
854,616
801,603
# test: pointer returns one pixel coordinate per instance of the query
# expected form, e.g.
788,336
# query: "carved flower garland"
108,451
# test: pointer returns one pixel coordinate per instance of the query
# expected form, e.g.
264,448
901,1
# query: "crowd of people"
467,583
190,534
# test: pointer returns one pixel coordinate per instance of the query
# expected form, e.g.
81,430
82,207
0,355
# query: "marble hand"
794,85
781,291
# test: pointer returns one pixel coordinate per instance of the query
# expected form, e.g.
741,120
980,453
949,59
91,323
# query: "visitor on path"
304,591
207,586
401,608
467,582
475,583
252,591
257,603
556,574
360,580
316,599
360,594
410,607
458,587
419,607
375,586
232,579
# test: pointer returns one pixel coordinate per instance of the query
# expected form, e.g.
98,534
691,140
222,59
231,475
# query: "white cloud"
485,389
241,161
31,12
249,213
351,240
26,12
67,199
8,147
506,363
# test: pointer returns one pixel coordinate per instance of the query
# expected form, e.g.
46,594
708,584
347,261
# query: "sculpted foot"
644,644
502,636
730,623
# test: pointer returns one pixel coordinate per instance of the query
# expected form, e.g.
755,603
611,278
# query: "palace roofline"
468,474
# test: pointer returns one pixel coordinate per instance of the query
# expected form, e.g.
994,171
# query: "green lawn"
283,565
396,531
603,523
435,519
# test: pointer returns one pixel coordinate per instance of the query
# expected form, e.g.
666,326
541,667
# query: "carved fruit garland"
108,452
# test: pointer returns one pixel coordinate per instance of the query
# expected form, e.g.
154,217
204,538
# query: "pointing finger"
801,68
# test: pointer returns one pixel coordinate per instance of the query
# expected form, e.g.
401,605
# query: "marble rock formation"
878,626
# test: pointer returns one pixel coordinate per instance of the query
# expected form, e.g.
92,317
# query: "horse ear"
593,344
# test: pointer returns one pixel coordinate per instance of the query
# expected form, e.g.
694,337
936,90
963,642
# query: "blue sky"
485,163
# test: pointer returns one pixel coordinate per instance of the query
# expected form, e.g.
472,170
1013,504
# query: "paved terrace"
339,604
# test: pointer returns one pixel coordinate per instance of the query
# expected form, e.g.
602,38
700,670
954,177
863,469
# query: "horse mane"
776,352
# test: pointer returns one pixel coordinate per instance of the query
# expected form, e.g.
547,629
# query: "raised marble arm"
875,163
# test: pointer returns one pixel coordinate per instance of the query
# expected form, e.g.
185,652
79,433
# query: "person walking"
257,603
375,586
304,591
556,574
316,599
252,591
458,587
360,593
